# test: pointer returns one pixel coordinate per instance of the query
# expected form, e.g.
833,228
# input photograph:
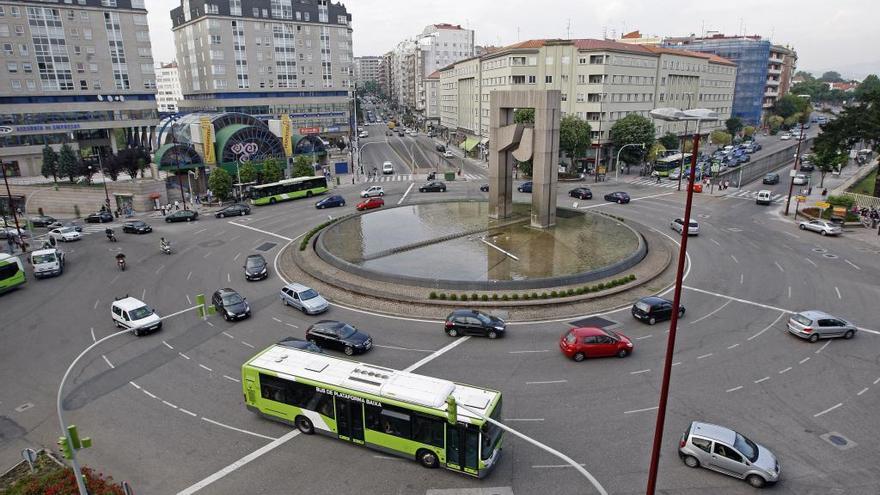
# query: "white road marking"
876,381
715,242
645,336
288,239
862,391
546,382
113,281
96,304
228,335
107,361
199,231
527,352
639,372
676,363
209,323
838,293
187,412
734,258
167,345
228,277
852,264
779,266
708,315
239,463
148,393
823,347
209,254
408,189
768,327
144,294
159,269
741,278
236,380
785,370
553,466
234,238
791,235
184,356
804,360
704,356
734,389
434,355
276,319
811,262
169,404
188,300
387,458
249,345
402,348
236,256
762,379
240,430
291,325
789,292
642,410
205,367
828,410
188,275
732,346
507,253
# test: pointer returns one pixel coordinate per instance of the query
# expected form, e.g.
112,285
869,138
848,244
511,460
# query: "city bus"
11,272
433,421
667,164
299,187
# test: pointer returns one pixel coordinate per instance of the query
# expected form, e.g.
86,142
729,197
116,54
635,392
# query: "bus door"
462,446
350,420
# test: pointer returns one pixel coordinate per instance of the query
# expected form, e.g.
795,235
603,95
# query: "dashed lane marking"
639,372
704,356
823,347
402,348
288,239
734,389
527,352
184,356
546,382
149,394
248,345
852,264
228,335
804,360
762,379
786,370
169,404
187,412
236,380
167,345
205,367
642,410
826,411
862,391
811,262
734,259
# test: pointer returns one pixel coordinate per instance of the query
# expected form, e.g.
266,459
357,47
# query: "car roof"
653,300
257,256
465,312
43,251
128,303
330,324
814,314
296,287
226,290
715,432
583,331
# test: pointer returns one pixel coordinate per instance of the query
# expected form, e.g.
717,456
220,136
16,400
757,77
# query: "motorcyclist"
109,233
120,260
163,244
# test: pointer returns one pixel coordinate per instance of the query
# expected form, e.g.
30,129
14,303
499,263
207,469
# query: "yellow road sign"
801,199
823,204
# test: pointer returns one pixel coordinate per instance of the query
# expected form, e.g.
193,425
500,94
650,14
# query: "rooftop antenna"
568,29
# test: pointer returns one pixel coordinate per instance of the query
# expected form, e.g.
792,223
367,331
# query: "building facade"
168,91
600,82
74,72
432,96
366,70
267,59
780,71
385,79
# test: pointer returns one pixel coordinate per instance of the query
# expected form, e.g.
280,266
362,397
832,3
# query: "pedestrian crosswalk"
664,183
750,195
422,177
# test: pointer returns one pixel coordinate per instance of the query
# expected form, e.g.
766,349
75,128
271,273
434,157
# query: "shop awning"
469,143
484,140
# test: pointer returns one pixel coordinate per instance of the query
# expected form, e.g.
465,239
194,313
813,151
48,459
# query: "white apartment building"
168,91
432,96
600,82
366,69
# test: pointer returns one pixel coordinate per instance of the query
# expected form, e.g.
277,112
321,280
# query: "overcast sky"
832,35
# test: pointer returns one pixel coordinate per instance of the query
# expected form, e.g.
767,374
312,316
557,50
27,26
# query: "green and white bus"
299,187
667,164
396,412
11,272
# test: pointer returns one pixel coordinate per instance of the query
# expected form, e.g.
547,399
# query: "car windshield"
230,299
43,258
139,313
643,306
746,447
309,294
67,230
570,338
346,331
803,320
484,319
255,262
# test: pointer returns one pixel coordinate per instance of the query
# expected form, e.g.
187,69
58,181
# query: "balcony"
774,72
772,82
769,92
775,60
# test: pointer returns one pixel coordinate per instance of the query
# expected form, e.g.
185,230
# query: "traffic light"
75,443
64,446
204,309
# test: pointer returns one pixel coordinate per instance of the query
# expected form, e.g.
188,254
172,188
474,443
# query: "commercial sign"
286,135
823,204
316,115
39,128
208,140
309,130
801,199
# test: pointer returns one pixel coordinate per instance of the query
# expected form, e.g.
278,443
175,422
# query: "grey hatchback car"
814,325
728,452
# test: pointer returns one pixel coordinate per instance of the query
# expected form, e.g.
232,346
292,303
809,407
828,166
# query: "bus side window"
372,417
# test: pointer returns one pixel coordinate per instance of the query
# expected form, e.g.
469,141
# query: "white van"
133,314
47,262
763,197
387,168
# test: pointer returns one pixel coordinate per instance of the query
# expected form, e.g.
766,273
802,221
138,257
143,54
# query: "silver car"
678,225
303,298
822,227
728,452
814,325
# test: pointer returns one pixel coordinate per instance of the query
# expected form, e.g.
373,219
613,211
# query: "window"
27,68
4,29
727,452
16,12
532,79
84,15
19,30
143,36
7,48
295,394
80,67
701,443
16,84
83,85
215,39
137,4
108,3
93,67
548,60
140,20
87,33
2,11
147,68
548,79
234,7
31,85
12,67
76,50
96,84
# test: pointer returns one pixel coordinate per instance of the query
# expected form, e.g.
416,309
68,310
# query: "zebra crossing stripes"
411,177
751,195
667,184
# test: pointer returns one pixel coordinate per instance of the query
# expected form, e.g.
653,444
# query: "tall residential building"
73,72
267,58
780,71
385,79
432,96
600,81
366,70
168,91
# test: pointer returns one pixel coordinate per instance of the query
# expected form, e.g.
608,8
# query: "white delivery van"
47,262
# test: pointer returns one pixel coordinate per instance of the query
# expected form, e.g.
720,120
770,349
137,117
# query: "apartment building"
168,91
600,81
781,67
385,78
366,70
73,71
266,59
432,96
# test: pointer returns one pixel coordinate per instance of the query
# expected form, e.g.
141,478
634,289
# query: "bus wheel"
427,458
305,425
271,201
308,194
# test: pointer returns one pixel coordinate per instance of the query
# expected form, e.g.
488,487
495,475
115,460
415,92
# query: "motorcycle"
111,237
120,261
166,248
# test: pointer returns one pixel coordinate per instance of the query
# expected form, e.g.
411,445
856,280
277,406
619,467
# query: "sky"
836,35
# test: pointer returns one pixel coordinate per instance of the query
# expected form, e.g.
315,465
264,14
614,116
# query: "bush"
844,201
515,297
526,296
304,243
62,480
433,295
484,297
632,277
474,296
612,283
494,297
543,295
580,291
553,293
442,296
463,297
505,297
570,292
594,288
534,295
601,286
453,297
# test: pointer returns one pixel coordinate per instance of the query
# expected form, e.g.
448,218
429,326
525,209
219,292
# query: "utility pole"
794,169
5,166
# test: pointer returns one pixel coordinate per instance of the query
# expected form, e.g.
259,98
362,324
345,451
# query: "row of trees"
271,170
68,164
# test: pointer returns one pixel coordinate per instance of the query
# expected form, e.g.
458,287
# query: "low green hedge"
586,289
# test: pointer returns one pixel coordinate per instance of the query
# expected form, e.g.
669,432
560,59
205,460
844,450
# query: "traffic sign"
801,199
823,204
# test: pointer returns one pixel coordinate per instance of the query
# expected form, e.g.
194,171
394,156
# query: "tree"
774,122
669,141
827,160
220,183
132,160
632,129
85,171
720,138
655,151
748,131
806,75
272,171
112,166
302,167
50,163
68,164
574,136
524,116
869,89
734,125
247,172
789,105
831,76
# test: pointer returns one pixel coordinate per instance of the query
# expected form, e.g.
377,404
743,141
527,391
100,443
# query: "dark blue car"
330,202
526,187
618,197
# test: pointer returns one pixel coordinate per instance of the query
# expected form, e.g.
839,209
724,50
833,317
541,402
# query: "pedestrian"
824,192
176,204
10,242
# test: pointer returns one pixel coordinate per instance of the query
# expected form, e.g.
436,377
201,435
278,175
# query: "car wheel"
579,356
271,201
652,320
803,227
443,190
342,204
303,309
116,323
167,220
284,302
492,334
136,332
620,201
691,461
348,350
822,232
226,316
849,334
305,425
189,219
814,338
452,332
381,194
220,215
622,353
427,458
680,312
756,481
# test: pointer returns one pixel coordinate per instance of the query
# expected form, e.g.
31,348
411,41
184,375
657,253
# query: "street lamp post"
617,161
797,159
103,178
4,166
675,115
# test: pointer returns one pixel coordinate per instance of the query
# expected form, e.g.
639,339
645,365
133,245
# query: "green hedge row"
442,296
304,243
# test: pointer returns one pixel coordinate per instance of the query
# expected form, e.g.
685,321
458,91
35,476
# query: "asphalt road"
166,412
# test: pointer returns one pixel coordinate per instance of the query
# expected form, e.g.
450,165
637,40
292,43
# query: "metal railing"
759,167
863,200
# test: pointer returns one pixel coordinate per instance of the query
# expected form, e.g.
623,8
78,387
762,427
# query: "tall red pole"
673,324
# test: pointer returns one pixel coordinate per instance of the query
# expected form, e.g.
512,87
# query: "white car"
822,227
65,234
800,180
364,134
373,191
448,154
785,136
303,298
763,197
387,168
133,314
678,224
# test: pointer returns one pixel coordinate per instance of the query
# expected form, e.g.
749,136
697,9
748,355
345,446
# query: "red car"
370,203
578,343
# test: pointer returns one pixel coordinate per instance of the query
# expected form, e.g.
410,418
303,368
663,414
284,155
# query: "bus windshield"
43,258
490,433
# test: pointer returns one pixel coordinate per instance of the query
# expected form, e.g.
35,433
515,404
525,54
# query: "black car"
484,187
581,193
100,217
771,179
755,146
806,167
473,322
235,210
303,345
330,334
653,309
42,221
181,216
255,267
60,225
440,148
330,202
230,304
433,186
525,187
618,197
137,227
